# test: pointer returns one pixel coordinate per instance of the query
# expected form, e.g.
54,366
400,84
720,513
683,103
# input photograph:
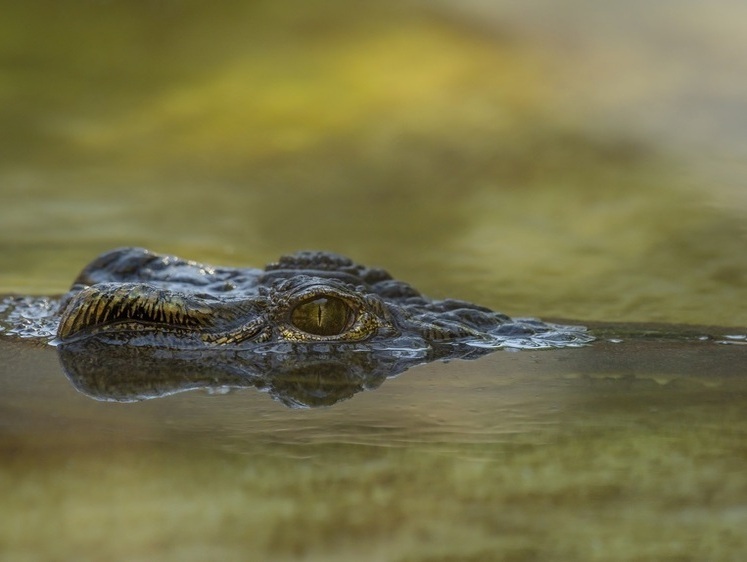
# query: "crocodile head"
135,297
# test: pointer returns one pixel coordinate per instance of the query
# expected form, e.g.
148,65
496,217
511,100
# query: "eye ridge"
323,315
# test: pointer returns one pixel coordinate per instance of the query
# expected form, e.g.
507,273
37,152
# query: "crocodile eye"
322,316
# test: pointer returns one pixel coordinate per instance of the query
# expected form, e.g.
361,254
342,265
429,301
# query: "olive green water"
584,163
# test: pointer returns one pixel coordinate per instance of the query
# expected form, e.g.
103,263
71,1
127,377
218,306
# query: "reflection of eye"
322,316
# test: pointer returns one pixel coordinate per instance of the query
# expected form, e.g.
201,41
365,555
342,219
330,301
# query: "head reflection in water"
297,378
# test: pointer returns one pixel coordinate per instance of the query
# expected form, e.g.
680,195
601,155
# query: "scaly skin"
137,297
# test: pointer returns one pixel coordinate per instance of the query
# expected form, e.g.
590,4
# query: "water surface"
618,451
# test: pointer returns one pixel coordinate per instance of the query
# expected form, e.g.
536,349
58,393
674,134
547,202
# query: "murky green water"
583,162
621,451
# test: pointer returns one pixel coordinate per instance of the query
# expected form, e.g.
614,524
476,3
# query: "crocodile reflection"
296,376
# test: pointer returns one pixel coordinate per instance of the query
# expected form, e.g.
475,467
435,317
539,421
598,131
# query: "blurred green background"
581,161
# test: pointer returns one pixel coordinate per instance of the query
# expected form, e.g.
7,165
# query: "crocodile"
150,321
140,298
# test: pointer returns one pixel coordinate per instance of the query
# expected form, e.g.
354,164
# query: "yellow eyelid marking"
106,307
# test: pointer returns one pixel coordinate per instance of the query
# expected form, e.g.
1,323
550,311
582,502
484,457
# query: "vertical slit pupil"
322,316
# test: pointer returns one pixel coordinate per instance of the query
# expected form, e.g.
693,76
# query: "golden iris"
322,316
